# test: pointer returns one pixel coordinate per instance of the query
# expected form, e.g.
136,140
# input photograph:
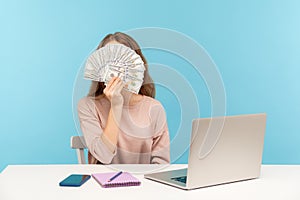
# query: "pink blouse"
143,136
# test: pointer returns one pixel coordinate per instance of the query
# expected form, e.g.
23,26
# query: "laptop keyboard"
181,179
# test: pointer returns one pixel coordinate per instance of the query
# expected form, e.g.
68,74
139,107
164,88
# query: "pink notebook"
125,179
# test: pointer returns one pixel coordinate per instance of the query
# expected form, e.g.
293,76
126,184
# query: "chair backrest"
78,143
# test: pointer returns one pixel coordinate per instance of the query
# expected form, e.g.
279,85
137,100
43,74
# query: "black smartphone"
75,180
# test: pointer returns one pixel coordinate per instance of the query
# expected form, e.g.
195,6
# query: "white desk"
277,182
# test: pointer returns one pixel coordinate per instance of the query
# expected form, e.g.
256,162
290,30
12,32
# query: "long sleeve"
96,142
160,153
143,136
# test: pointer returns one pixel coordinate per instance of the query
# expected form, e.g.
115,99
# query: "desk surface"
41,182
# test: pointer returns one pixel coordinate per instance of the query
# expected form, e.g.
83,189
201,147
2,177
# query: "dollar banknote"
132,78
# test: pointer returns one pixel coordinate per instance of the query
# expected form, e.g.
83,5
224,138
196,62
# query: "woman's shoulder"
153,104
90,101
151,100
85,101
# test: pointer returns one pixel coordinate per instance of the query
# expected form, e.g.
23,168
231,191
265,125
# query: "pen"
115,176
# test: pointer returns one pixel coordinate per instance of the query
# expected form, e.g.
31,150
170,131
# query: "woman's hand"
113,91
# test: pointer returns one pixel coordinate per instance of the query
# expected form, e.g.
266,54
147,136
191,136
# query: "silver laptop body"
222,150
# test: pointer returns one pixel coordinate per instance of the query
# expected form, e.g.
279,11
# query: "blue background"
255,44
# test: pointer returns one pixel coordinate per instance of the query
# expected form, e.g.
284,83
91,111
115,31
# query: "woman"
120,127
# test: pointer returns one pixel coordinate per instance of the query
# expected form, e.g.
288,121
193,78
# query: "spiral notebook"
125,179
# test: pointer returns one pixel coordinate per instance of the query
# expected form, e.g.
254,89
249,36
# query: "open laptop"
222,150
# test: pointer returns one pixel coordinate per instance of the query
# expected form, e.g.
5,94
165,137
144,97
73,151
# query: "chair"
78,143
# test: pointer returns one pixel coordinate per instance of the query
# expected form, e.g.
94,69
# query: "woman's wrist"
116,111
117,102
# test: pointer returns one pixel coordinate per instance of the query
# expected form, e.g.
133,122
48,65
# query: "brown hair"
147,88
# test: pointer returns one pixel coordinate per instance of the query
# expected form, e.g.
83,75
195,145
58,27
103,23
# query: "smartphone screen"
75,180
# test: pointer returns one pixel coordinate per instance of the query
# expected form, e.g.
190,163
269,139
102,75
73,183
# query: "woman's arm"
113,93
98,145
161,149
160,153
102,143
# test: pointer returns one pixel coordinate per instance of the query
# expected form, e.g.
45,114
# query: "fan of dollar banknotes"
116,60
